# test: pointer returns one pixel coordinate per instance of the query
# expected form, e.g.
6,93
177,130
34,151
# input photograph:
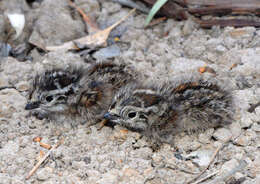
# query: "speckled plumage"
78,91
160,110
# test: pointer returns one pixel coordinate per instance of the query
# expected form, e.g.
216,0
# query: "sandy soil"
115,155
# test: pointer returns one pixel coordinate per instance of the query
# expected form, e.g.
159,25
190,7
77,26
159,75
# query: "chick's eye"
49,98
131,115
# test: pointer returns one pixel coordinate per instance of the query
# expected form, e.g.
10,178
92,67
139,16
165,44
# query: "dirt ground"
111,156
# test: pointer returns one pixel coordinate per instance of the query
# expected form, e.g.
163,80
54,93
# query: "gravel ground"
117,155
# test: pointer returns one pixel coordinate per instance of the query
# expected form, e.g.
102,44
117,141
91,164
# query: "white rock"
44,173
206,136
17,21
201,157
221,48
187,143
222,134
256,127
246,138
23,86
235,129
247,119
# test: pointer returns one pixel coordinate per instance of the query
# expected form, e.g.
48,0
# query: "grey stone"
242,140
107,53
23,86
187,143
55,25
11,102
235,129
206,136
228,166
256,127
15,71
246,138
188,27
247,120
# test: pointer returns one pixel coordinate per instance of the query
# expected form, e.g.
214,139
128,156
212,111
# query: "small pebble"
44,173
222,134
228,166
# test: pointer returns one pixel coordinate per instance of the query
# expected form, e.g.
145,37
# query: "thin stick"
180,168
156,21
93,26
43,159
207,177
211,161
121,20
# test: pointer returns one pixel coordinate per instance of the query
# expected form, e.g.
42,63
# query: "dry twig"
179,168
226,176
205,178
227,22
91,26
211,161
156,21
43,159
179,9
46,146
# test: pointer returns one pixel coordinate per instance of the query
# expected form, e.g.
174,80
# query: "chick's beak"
110,116
32,105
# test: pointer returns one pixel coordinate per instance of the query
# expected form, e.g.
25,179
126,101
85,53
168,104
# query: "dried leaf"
95,40
44,145
37,139
233,66
92,26
202,69
124,131
207,69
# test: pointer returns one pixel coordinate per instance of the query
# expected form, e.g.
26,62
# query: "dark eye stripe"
131,115
49,98
113,105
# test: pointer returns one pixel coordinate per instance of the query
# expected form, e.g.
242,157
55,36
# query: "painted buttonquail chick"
160,111
78,91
